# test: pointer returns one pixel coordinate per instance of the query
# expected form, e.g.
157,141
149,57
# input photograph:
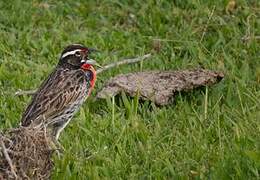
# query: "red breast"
89,67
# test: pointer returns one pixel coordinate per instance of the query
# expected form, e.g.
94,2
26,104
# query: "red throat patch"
89,67
86,66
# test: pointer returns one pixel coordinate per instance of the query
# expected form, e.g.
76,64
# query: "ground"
212,133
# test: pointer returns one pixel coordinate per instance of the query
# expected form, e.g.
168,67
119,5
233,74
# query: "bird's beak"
92,62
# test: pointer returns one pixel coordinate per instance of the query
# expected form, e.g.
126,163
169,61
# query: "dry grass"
25,154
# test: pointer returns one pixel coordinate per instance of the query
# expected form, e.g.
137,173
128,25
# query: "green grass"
212,133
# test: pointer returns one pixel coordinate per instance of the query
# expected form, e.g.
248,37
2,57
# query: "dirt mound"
159,86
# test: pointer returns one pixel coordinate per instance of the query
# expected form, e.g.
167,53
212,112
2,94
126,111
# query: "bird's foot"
57,147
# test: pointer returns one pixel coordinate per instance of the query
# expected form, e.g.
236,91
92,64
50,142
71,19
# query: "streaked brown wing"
60,90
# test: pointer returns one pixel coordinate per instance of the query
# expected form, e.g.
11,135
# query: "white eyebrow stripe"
70,53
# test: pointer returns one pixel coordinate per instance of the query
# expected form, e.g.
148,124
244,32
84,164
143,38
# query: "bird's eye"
77,54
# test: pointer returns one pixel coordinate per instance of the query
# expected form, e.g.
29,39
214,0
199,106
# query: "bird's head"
76,56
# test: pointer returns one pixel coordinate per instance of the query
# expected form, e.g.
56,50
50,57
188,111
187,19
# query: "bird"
59,97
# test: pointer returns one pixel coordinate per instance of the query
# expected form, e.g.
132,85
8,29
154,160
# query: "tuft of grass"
212,133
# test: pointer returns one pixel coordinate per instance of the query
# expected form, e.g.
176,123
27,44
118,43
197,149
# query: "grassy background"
219,139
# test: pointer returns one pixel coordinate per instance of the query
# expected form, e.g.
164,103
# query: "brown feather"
61,89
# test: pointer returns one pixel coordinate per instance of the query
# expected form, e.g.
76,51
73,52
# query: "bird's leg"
58,145
53,142
59,149
56,129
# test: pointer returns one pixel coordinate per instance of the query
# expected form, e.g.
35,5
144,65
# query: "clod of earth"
159,86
